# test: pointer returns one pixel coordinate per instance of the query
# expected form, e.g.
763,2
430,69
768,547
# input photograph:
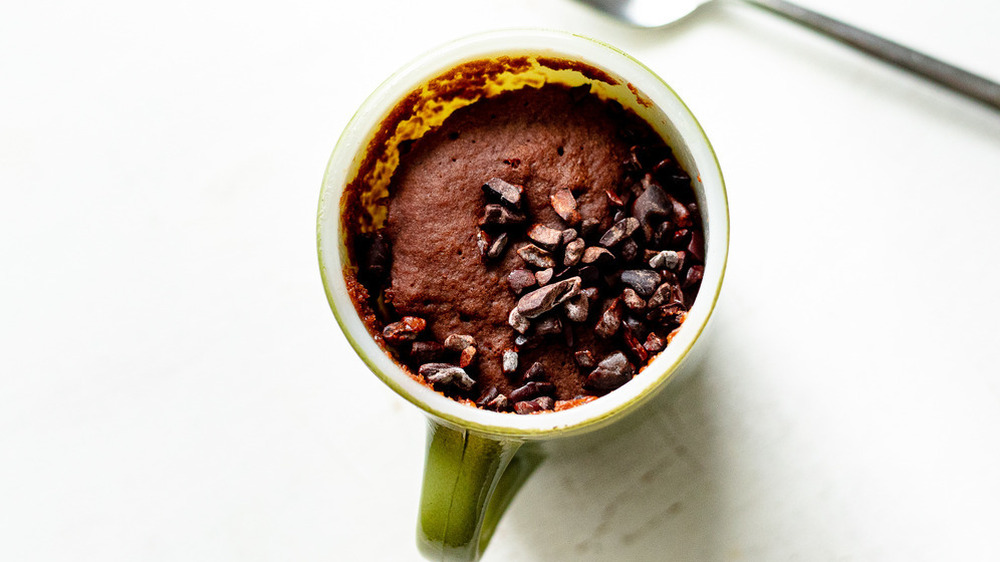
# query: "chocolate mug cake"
535,250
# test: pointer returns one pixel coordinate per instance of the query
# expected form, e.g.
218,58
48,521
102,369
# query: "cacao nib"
610,321
651,207
426,351
534,373
543,276
443,374
510,360
466,357
533,255
518,321
577,308
574,251
546,298
520,279
565,206
507,193
584,359
540,404
589,227
632,300
498,215
548,326
667,259
598,256
619,232
406,330
694,276
531,389
654,343
612,372
696,246
546,238
458,342
638,352
644,281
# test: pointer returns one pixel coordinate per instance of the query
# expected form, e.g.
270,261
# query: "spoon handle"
972,85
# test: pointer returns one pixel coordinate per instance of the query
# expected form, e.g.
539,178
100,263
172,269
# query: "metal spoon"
657,13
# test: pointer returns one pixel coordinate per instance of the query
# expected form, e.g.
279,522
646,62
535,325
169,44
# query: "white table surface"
173,385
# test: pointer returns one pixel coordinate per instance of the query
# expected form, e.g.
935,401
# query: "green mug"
477,459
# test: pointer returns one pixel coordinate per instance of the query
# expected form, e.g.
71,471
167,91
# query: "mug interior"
419,97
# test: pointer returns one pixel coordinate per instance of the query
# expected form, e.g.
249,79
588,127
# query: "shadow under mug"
477,459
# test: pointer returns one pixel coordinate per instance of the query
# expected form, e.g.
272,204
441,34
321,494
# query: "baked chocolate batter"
545,140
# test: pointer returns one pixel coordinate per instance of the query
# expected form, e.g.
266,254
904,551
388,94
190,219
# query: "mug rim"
354,141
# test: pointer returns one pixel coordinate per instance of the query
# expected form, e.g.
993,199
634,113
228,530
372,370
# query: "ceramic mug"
477,459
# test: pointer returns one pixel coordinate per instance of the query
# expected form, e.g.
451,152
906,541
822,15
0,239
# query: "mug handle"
469,480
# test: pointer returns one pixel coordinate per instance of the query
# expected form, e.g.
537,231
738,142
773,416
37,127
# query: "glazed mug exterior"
477,459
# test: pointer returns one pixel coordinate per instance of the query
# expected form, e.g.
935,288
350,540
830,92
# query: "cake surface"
580,166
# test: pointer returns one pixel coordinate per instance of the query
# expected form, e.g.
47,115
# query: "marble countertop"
173,385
